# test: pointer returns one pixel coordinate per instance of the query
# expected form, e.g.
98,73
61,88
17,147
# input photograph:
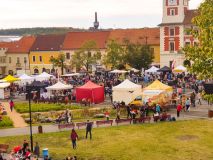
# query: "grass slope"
182,140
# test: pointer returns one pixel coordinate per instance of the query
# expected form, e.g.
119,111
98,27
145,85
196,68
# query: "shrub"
6,122
208,97
43,107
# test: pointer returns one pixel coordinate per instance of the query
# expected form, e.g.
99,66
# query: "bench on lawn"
143,119
82,124
68,125
162,117
123,121
3,148
104,122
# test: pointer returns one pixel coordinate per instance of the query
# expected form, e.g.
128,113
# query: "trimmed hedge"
6,122
43,107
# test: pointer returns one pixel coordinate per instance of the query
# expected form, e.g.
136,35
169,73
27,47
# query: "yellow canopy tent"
157,85
157,92
11,79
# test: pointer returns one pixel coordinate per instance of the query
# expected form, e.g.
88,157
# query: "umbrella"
179,69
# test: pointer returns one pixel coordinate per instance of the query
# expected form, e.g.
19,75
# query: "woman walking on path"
11,105
73,137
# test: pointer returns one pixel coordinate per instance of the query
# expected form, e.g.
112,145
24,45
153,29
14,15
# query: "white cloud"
80,13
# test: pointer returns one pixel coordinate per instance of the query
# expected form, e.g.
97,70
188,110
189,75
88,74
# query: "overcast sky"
80,13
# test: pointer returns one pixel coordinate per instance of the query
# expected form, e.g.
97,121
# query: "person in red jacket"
179,108
73,137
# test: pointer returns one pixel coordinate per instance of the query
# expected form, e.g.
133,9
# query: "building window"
18,60
10,60
187,43
25,60
40,58
34,58
172,32
172,12
195,43
185,2
67,55
171,46
152,50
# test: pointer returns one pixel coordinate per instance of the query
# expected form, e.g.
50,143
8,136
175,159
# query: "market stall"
43,76
153,69
10,79
90,91
180,69
157,92
4,90
25,79
126,92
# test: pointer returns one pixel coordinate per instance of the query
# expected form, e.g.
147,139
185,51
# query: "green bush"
208,97
6,122
43,107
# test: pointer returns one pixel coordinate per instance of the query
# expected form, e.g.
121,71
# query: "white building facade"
177,18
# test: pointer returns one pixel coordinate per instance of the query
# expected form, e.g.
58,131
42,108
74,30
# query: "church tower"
172,31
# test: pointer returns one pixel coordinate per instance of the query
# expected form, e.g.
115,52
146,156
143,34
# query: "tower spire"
96,23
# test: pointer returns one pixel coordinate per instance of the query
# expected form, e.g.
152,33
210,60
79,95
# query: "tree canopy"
59,62
201,55
86,56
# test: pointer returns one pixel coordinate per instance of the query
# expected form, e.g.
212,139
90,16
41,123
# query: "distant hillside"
39,30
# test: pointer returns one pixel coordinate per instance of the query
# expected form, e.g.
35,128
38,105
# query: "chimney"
96,23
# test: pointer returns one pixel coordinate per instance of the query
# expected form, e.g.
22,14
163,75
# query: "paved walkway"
18,121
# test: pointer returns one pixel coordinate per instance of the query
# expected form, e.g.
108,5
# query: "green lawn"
6,122
43,107
182,140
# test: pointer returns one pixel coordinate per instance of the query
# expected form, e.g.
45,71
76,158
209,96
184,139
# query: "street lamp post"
30,113
25,62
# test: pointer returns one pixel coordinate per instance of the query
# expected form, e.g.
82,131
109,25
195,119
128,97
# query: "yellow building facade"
40,61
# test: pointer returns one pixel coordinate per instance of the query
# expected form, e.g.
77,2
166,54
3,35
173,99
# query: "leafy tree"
201,56
139,56
59,62
115,55
87,55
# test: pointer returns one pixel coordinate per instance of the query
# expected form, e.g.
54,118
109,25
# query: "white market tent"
43,76
118,71
127,91
59,86
134,70
25,79
71,74
153,69
4,93
180,69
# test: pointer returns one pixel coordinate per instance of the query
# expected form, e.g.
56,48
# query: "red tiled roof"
151,36
75,40
5,44
48,43
190,14
22,46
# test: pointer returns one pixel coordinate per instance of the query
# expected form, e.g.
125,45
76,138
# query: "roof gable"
48,43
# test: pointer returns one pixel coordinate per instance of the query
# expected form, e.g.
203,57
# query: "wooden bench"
123,121
82,124
164,118
68,125
143,119
3,148
104,122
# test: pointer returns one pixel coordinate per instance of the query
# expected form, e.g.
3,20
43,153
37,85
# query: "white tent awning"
153,69
59,86
4,85
71,74
118,71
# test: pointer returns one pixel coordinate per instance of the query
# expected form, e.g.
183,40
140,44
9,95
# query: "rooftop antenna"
96,23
